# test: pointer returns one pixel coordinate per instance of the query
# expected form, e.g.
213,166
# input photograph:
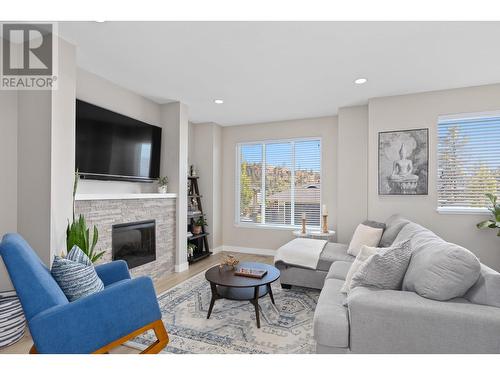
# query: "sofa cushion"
331,320
338,270
364,254
331,253
486,290
76,275
364,235
385,269
393,226
438,269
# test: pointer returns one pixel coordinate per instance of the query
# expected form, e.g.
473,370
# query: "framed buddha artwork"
403,162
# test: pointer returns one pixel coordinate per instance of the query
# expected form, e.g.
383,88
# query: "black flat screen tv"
110,146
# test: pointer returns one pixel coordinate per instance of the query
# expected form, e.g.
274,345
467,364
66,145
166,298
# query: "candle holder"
325,224
303,226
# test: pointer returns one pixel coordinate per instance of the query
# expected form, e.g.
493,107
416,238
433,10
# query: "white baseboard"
182,267
246,250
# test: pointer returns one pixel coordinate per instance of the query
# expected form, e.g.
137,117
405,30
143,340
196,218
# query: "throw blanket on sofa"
302,252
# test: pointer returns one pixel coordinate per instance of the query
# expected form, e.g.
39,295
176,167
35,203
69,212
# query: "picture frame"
403,162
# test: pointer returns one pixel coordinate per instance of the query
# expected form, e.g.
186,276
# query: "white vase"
162,189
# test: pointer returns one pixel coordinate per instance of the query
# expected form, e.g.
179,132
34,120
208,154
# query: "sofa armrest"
389,321
94,321
113,272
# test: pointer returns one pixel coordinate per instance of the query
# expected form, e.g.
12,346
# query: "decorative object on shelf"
12,320
229,262
198,225
325,219
192,171
78,234
403,162
494,222
304,218
163,185
191,247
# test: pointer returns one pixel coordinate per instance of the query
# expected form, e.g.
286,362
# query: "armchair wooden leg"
158,328
162,339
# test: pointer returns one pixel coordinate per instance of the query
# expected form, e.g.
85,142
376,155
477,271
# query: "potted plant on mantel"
162,185
494,222
198,224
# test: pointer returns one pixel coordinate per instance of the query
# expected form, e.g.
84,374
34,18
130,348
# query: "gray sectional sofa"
371,320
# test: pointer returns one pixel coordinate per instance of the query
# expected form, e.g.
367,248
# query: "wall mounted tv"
110,146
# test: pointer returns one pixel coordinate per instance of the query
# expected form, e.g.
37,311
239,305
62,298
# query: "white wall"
8,166
325,127
207,159
174,164
352,164
34,170
422,111
62,147
103,93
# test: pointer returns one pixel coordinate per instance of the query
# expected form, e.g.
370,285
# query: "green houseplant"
78,234
162,185
494,221
197,224
191,247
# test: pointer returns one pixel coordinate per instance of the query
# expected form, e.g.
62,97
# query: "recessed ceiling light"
218,101
100,21
360,81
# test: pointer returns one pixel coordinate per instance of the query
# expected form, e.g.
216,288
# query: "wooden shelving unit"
200,240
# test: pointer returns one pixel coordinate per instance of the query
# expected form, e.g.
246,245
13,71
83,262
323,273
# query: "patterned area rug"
285,328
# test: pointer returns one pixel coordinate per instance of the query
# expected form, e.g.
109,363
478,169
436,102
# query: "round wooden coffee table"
225,284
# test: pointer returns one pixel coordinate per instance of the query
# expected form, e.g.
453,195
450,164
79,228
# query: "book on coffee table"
250,272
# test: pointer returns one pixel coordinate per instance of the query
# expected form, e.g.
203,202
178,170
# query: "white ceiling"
269,71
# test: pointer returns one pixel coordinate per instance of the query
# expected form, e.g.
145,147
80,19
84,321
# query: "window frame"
237,196
444,210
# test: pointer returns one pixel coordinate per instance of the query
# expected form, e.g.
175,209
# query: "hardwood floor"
23,346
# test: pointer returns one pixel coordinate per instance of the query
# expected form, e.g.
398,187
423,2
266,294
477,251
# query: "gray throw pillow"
440,270
385,269
373,224
393,226
486,290
76,275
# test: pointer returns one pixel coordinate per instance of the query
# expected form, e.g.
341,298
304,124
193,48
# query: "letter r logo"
27,49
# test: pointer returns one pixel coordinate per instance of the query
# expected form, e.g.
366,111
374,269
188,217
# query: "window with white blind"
278,182
468,161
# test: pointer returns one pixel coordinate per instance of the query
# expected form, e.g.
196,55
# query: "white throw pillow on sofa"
364,254
364,235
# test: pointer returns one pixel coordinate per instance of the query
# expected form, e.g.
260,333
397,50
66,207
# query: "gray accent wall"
422,111
352,165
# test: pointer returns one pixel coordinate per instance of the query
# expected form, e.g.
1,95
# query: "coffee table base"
240,294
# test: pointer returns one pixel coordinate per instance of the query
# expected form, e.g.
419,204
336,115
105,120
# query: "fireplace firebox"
135,242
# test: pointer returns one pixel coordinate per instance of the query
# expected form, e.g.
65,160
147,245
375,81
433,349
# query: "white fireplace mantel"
120,196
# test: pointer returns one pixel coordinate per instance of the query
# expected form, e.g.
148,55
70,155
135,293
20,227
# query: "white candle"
325,211
303,216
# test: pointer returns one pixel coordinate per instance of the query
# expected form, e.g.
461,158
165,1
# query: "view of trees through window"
279,182
468,161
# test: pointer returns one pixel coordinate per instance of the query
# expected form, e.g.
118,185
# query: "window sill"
462,211
271,226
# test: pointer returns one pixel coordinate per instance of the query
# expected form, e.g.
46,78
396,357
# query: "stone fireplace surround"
106,210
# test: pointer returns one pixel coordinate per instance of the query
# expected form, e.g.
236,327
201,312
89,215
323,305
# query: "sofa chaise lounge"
372,320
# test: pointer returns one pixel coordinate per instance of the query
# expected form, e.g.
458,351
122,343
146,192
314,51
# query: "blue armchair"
96,323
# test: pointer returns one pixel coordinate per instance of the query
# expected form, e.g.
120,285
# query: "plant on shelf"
494,222
191,247
78,234
162,184
198,224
